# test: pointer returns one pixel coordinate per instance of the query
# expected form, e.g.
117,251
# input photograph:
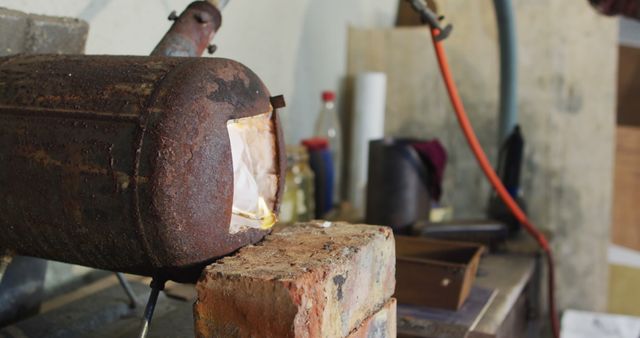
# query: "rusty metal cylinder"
124,163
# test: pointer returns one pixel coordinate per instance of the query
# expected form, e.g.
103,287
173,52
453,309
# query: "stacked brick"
303,281
37,34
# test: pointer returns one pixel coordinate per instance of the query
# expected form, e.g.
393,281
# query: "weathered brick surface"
13,27
301,281
38,34
382,324
56,35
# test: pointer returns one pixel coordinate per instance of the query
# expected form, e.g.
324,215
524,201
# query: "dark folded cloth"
434,157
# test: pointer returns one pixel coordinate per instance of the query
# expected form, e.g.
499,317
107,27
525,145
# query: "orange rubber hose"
493,178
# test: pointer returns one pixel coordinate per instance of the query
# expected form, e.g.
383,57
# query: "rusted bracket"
430,18
192,31
278,102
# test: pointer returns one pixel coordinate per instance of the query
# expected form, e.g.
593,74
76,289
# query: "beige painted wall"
298,47
568,105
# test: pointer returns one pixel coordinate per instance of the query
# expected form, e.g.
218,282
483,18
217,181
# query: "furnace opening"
255,180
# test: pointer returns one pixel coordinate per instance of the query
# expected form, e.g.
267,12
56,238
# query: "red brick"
382,324
302,281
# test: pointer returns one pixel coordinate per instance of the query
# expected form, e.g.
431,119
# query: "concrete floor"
101,309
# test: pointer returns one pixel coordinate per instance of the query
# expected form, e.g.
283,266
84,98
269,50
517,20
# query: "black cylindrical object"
397,193
509,168
628,8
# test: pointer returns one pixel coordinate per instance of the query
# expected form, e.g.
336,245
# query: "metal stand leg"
157,285
133,302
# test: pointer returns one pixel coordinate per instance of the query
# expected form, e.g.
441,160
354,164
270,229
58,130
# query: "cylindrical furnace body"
124,163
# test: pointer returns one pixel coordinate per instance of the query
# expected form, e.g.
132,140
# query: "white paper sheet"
579,324
369,111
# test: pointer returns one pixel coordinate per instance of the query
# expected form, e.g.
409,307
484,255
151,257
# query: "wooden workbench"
514,277
100,309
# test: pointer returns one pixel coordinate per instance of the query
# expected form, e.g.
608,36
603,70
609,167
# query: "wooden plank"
628,86
87,291
420,321
4,262
185,292
624,290
509,275
626,213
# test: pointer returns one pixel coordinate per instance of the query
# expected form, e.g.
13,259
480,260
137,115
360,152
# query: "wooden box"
435,273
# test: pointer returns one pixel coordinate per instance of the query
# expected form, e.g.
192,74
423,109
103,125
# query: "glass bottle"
304,178
328,126
288,206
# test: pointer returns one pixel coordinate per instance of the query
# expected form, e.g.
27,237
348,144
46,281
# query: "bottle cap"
328,95
317,143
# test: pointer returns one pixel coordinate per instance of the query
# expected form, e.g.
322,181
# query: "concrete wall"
568,106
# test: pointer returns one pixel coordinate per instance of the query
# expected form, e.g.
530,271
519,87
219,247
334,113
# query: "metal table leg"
133,302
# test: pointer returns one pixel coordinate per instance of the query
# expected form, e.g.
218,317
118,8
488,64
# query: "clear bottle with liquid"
328,126
298,202
289,204
305,181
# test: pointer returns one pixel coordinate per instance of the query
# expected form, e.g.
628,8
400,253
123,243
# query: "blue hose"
508,69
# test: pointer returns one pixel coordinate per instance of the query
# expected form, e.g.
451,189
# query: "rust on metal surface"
124,163
191,32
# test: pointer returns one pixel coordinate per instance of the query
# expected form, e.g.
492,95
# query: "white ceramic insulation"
255,181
